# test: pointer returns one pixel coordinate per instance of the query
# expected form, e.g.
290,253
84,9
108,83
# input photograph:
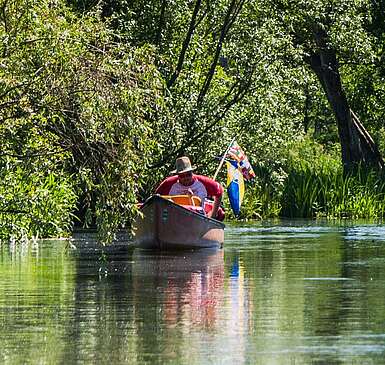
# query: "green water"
279,293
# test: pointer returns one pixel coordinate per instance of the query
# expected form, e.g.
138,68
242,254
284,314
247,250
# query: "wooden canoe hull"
165,225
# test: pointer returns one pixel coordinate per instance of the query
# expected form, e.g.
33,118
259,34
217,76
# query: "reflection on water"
188,284
279,293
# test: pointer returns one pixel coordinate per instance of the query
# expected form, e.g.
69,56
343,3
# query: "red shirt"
213,188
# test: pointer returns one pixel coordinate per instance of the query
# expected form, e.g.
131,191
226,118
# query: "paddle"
223,159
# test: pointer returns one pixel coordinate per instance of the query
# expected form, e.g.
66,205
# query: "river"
280,292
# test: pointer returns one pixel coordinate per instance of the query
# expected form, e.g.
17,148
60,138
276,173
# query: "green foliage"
310,183
38,203
101,99
70,89
316,186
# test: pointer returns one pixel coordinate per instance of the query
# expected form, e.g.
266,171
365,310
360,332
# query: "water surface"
287,292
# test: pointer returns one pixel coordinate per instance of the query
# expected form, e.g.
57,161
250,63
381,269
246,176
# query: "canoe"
166,225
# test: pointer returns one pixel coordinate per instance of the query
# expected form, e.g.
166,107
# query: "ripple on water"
283,229
372,233
290,294
329,279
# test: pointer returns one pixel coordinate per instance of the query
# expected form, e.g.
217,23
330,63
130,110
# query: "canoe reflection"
189,285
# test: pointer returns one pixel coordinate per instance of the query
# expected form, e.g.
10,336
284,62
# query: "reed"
309,183
314,191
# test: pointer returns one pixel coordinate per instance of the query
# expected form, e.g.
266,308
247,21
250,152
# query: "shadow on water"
176,263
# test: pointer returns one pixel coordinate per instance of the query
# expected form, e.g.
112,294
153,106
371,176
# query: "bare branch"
158,37
242,89
34,155
231,15
186,42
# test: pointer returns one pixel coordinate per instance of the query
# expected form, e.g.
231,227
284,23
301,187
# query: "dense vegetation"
98,98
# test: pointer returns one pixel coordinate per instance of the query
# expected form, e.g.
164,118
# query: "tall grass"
311,183
314,191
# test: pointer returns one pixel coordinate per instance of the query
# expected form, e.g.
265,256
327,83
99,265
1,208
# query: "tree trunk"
357,147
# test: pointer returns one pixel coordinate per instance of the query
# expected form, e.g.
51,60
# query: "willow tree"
78,103
204,72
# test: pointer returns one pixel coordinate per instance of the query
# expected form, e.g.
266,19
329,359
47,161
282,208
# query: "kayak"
176,222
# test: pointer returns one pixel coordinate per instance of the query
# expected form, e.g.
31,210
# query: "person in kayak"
185,182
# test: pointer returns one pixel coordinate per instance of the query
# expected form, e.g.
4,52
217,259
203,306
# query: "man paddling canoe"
184,182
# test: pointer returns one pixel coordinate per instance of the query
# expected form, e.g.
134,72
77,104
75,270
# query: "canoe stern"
166,225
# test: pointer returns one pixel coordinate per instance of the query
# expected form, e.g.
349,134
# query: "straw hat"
183,164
